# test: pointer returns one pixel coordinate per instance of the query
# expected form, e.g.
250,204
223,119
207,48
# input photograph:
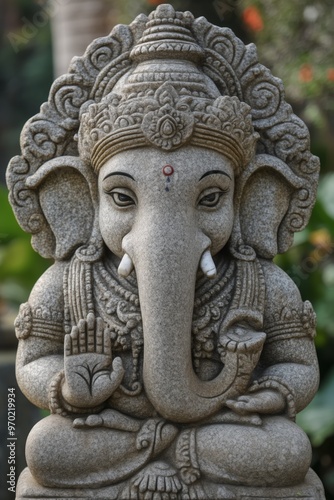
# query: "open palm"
90,374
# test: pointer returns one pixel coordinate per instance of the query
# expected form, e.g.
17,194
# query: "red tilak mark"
168,170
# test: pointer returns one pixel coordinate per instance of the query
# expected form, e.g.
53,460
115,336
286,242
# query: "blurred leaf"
318,418
301,237
20,265
13,292
326,193
9,228
328,275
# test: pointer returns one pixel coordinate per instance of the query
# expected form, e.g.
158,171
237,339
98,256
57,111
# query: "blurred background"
294,39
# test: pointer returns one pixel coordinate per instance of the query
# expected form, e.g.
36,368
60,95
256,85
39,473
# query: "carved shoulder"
48,290
43,315
280,289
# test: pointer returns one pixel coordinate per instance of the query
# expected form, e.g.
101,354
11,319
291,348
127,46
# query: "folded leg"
60,455
277,453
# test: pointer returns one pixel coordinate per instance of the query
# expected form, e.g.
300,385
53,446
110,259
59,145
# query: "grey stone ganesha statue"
163,174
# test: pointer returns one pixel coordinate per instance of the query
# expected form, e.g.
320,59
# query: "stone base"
310,489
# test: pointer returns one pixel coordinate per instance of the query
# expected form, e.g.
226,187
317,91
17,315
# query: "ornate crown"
167,121
166,101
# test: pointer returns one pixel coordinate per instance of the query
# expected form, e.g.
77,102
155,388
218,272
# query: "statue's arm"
288,362
40,329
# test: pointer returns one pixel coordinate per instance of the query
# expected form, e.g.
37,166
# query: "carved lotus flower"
167,128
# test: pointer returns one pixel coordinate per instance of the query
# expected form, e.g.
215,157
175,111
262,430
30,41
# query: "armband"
276,384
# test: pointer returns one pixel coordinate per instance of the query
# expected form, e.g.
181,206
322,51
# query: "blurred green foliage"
25,72
25,80
294,39
20,266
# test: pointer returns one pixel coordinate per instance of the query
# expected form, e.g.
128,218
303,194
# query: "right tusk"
126,266
207,265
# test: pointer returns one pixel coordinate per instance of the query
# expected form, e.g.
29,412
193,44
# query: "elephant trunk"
166,269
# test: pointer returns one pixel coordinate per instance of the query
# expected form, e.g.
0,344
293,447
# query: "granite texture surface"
163,175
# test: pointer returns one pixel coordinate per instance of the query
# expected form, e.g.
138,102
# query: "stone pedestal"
311,489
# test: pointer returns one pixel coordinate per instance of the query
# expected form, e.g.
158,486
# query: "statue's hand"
265,401
90,375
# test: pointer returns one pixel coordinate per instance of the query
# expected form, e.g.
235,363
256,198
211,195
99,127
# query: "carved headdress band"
167,121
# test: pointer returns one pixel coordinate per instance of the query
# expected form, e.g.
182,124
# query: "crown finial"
167,34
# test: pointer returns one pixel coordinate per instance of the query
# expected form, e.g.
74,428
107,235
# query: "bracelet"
277,384
57,403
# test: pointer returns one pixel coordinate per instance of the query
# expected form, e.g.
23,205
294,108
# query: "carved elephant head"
170,216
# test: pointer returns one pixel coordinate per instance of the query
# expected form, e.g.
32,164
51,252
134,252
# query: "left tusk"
126,266
207,265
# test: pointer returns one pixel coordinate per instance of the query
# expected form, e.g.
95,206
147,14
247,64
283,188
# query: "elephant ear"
264,199
67,195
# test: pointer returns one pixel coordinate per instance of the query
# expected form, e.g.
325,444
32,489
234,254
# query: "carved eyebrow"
211,172
119,173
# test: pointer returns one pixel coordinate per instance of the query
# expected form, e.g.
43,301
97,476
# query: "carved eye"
211,199
121,199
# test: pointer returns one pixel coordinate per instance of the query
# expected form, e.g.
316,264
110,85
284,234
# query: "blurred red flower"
330,74
156,2
305,73
252,18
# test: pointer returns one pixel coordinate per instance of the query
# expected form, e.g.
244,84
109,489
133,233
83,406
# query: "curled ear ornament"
73,220
265,199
